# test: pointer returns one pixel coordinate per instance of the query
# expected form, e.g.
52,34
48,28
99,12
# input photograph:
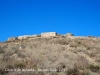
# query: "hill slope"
51,56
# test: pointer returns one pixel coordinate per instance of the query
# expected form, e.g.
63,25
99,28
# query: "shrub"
38,35
81,62
88,48
2,71
34,67
14,50
10,66
22,54
73,71
61,67
74,44
20,65
84,72
62,42
98,60
1,50
92,54
94,68
76,71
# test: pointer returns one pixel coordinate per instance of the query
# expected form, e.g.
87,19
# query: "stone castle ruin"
49,34
45,34
26,36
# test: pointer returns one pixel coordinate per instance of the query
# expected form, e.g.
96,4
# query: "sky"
28,17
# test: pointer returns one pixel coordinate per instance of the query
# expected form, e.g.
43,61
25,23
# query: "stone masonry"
49,34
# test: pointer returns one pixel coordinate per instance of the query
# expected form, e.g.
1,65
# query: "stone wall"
22,37
11,39
26,36
49,34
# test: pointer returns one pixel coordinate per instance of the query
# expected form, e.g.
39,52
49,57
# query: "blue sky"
26,17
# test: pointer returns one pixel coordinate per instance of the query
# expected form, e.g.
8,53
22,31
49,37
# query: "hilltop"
50,54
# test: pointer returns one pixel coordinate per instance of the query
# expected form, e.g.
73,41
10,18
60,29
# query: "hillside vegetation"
50,56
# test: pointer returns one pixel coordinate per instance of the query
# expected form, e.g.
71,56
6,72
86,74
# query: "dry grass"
68,56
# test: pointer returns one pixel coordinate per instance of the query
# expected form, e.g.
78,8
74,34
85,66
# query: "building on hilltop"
48,34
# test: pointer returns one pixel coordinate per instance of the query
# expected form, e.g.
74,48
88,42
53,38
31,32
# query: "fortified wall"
46,34
49,34
26,36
